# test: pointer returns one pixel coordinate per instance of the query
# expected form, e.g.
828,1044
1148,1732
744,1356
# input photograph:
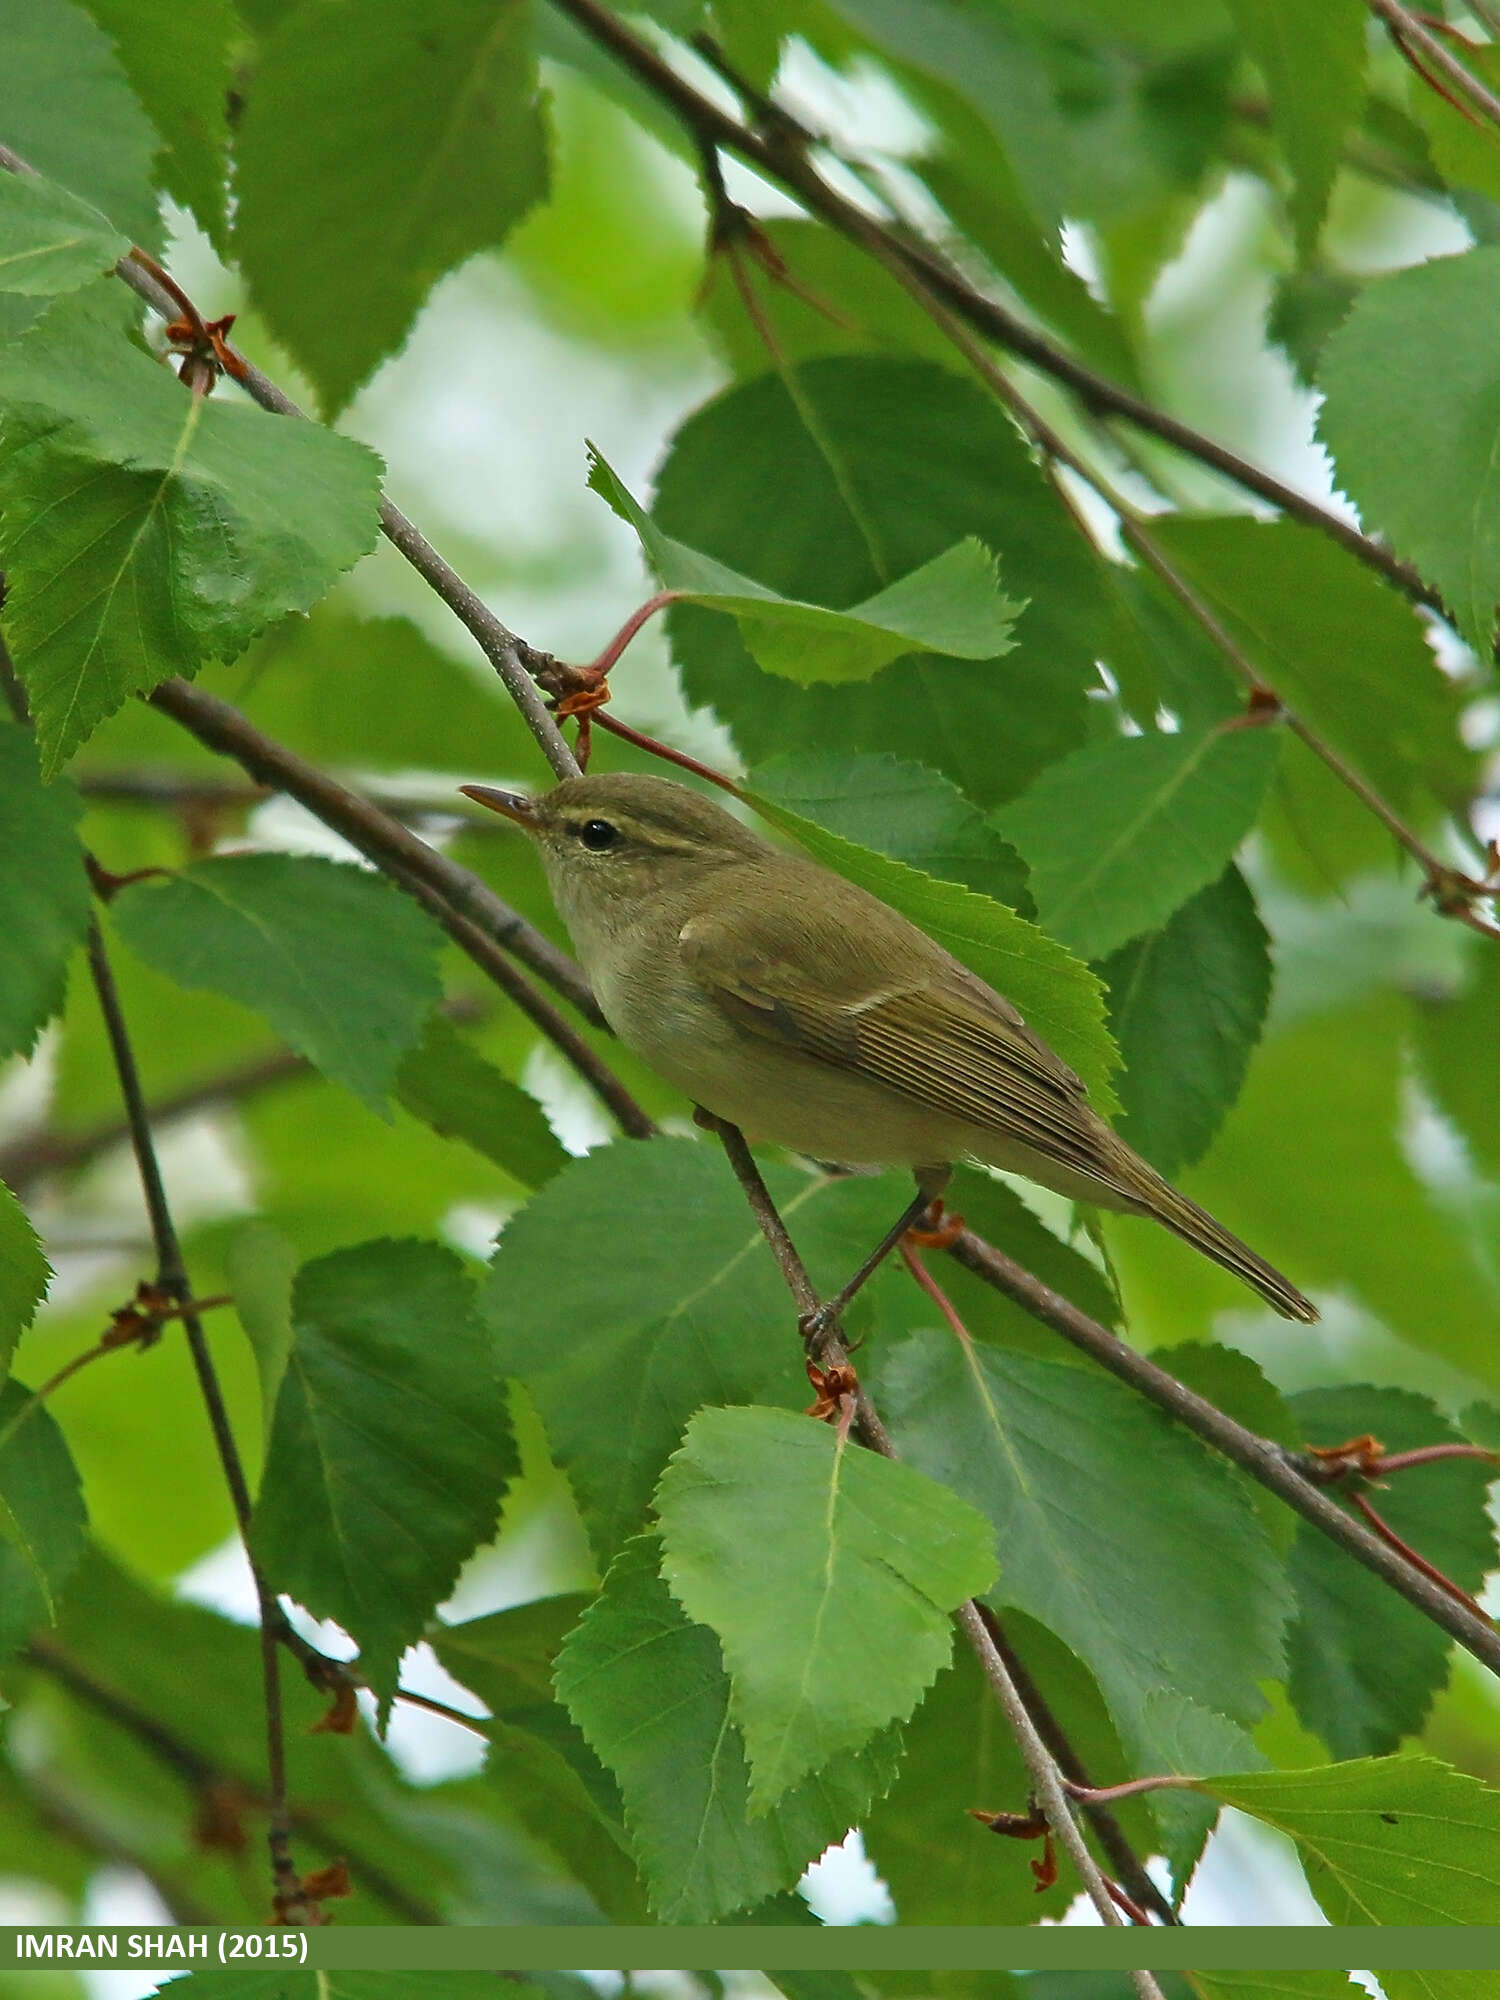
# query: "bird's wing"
934,1032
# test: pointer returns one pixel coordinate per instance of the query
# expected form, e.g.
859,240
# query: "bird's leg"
930,1184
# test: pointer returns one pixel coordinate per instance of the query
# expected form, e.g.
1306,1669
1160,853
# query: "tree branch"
1265,1462
832,1353
291,1904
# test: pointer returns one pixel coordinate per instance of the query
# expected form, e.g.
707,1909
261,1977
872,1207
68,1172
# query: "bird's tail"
1196,1226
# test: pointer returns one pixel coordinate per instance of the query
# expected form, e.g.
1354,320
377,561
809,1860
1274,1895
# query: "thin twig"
1266,1462
833,1353
291,1905
476,1723
1405,28
1415,1557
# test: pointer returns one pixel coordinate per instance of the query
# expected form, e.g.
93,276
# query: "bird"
790,1002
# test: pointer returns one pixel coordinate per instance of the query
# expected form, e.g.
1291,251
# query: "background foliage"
1111,585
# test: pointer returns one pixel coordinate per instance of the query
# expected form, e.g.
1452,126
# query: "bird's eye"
597,835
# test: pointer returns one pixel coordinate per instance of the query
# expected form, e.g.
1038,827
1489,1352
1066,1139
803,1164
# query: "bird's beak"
514,805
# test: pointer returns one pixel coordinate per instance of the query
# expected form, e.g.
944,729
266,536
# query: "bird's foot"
939,1228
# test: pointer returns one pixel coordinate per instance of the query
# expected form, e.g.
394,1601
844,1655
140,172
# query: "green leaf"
24,1274
650,1693
390,1446
451,1087
1117,1531
828,486
50,241
1313,61
683,1302
67,110
178,62
1364,1664
1187,672
371,164
146,529
44,893
948,606
1187,1004
941,1866
42,1518
260,1265
1061,999
1416,341
1384,1840
545,1779
1121,834
904,812
830,1985
861,1545
336,959
1338,644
